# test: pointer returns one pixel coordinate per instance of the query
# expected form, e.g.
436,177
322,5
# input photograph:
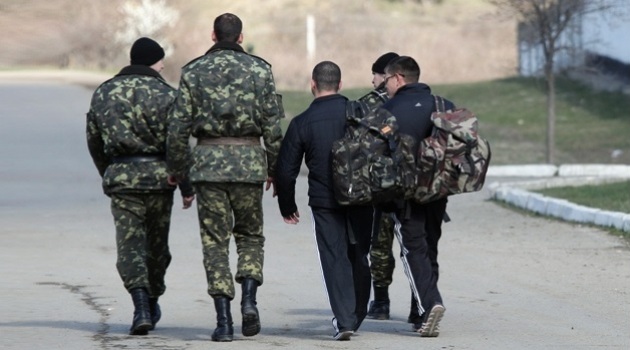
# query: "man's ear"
340,85
214,37
313,87
240,39
400,80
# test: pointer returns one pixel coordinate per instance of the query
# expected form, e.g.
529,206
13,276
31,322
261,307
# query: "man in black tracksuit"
412,103
342,234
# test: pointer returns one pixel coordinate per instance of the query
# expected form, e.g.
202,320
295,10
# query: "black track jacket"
412,106
311,135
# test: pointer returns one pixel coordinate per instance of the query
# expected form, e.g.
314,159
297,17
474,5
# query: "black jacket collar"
328,98
225,45
136,69
413,88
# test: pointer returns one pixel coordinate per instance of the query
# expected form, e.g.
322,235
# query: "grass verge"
610,196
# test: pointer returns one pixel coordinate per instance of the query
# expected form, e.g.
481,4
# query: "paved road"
509,281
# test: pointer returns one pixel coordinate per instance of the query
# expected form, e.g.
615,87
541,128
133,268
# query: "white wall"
605,33
609,34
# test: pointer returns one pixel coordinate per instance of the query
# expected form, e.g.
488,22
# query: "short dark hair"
228,27
327,76
405,66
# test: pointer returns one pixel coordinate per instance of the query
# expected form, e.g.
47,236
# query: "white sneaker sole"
430,328
343,335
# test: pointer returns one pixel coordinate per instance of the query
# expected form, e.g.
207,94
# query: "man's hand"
293,218
187,201
271,183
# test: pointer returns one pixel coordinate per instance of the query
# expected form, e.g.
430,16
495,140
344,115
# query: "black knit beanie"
146,52
381,62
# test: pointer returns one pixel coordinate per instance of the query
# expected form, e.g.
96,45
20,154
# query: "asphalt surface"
509,280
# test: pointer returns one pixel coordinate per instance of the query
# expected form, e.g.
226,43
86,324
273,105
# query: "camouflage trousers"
142,225
227,209
382,259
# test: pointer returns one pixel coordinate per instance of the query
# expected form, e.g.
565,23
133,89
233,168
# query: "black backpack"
373,163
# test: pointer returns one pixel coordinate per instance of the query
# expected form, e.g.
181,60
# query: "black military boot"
156,312
224,330
379,307
141,314
251,319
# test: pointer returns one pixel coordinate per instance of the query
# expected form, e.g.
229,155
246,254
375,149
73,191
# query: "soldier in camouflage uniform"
382,259
227,100
126,136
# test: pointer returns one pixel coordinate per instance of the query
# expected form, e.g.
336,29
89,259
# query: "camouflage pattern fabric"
225,93
454,159
373,162
382,261
226,209
142,225
375,98
128,116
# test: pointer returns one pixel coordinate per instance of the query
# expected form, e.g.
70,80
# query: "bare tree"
548,21
146,18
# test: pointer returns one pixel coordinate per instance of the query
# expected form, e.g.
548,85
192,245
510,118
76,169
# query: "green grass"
512,113
611,196
512,116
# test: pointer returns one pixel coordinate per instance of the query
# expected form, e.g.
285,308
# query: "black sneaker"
414,315
414,318
379,310
431,326
341,334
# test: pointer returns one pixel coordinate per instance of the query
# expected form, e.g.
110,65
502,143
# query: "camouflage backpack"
373,163
454,159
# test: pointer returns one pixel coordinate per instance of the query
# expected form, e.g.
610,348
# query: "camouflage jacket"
127,117
225,93
375,98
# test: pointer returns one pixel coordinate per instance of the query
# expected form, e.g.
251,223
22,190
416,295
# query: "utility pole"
310,43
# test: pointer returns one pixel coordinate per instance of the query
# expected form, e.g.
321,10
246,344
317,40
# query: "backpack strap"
356,110
380,94
439,104
350,114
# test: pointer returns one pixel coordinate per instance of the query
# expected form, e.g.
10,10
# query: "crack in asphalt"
102,336
89,299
